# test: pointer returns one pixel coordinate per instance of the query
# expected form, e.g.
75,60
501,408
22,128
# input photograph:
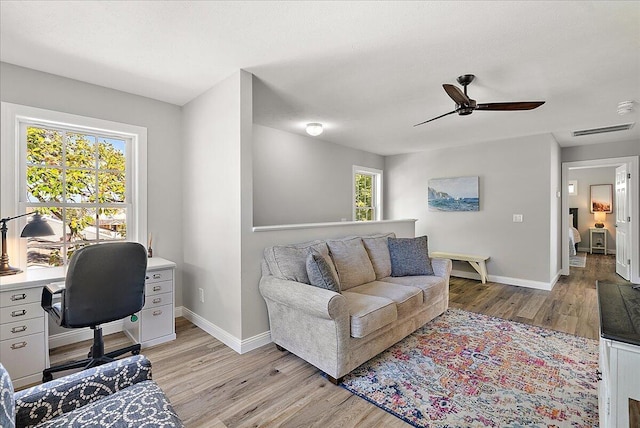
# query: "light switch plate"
517,218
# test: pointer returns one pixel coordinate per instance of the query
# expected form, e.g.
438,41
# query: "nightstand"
598,239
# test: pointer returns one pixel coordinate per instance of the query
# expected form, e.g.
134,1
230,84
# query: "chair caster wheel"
135,352
47,377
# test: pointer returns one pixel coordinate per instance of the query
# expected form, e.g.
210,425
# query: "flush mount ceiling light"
625,107
314,129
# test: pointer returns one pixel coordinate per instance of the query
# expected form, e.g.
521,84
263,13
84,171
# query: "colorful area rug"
470,370
579,260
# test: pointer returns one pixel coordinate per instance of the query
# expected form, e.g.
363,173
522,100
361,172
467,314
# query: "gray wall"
212,211
36,89
298,179
515,178
601,151
587,177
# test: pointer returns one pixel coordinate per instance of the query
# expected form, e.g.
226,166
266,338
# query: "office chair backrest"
105,282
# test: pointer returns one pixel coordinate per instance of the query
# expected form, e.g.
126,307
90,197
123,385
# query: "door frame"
634,204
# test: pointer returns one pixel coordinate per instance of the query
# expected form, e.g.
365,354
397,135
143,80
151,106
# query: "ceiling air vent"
594,131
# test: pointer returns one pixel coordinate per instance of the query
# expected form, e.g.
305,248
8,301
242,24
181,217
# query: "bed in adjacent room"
574,235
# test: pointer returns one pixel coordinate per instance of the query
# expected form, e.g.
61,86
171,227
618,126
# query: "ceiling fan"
465,105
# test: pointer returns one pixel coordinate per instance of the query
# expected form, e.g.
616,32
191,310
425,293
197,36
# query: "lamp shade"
38,226
599,217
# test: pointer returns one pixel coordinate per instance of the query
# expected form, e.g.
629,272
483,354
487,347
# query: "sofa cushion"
433,287
289,261
321,271
351,261
378,251
406,297
143,404
369,313
409,256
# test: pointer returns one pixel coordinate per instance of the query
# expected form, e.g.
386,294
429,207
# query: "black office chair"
104,283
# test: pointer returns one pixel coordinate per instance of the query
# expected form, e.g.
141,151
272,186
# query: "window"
367,194
85,176
573,187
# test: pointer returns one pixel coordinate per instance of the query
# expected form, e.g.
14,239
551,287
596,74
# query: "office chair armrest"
48,292
49,400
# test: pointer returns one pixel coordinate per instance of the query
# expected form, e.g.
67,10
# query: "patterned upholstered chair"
119,394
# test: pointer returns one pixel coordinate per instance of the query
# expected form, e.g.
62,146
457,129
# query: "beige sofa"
338,331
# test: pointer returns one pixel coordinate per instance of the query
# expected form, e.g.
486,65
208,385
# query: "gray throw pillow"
321,273
409,256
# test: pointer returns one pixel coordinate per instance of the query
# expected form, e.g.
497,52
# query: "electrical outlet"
201,292
517,218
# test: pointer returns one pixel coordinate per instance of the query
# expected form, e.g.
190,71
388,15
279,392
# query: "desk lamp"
38,226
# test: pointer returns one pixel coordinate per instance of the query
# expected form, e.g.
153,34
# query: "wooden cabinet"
619,360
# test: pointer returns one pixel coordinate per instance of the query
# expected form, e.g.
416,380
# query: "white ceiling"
368,70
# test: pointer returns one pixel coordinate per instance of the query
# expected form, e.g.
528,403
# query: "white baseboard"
506,280
238,345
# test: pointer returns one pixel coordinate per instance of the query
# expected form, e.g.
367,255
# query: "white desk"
24,336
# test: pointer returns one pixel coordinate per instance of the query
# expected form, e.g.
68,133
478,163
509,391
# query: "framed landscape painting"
453,194
602,198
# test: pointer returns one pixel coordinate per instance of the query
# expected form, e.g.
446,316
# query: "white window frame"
377,190
13,164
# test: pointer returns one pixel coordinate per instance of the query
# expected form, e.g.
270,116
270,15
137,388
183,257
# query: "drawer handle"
19,313
18,345
156,313
18,297
19,329
157,288
158,300
157,276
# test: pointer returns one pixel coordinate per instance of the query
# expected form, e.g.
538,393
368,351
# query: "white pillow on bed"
570,219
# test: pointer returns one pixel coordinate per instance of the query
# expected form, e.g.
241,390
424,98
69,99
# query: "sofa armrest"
312,300
441,267
49,400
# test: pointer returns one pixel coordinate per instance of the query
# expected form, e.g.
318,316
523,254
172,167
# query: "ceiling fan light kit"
466,105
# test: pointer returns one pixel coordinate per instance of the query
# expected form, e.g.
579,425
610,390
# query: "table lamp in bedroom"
599,217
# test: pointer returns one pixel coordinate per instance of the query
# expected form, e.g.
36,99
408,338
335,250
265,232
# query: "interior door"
623,239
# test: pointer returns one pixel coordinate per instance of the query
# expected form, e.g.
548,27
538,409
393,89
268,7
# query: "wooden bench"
477,262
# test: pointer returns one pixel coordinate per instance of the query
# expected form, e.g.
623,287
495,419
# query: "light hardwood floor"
210,385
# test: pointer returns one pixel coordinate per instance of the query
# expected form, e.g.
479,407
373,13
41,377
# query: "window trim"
377,193
14,116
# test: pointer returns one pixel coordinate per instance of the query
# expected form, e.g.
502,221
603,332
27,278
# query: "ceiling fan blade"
523,105
456,94
430,120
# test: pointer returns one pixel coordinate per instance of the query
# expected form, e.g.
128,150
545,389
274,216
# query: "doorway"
628,249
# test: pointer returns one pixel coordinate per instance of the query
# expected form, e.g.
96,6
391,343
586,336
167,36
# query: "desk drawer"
159,275
156,322
12,330
21,312
19,297
158,288
23,356
158,300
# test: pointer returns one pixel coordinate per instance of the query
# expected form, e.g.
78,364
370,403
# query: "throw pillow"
351,261
378,251
289,261
321,273
409,256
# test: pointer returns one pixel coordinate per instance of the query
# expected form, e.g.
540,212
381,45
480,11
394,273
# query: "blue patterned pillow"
7,403
321,273
409,256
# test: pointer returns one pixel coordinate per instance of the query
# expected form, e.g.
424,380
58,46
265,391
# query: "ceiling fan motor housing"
465,109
